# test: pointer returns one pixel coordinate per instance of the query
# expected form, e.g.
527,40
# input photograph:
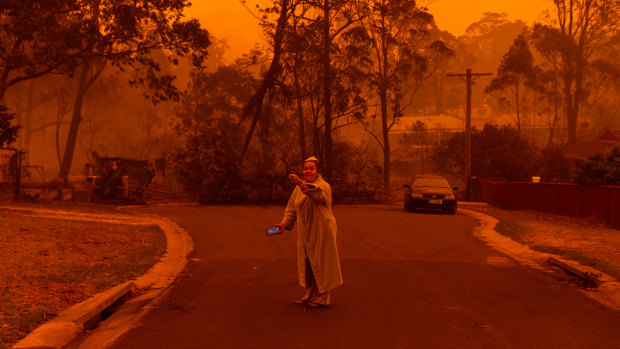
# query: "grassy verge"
594,245
596,263
49,265
512,229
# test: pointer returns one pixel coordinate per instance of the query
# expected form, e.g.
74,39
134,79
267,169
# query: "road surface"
411,280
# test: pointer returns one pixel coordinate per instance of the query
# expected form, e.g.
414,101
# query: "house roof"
435,122
611,135
603,144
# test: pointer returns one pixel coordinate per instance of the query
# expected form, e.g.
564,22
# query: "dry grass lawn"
49,264
595,245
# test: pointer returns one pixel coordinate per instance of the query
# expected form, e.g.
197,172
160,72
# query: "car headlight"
450,197
416,195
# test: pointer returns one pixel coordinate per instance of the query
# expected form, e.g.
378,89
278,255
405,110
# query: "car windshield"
431,182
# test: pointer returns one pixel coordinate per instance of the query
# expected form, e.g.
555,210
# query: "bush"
8,133
599,169
357,176
554,166
497,151
206,166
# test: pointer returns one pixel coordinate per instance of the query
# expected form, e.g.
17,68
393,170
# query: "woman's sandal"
301,301
315,305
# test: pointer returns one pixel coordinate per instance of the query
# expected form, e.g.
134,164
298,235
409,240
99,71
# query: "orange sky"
230,20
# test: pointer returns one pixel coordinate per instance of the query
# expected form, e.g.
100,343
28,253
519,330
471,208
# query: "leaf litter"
54,259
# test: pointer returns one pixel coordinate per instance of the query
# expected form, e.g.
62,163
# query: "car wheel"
407,205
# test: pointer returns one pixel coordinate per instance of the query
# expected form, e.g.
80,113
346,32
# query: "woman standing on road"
310,205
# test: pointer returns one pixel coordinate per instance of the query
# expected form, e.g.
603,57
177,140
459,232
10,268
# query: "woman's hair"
316,162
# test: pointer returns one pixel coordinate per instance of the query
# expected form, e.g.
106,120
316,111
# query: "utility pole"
469,80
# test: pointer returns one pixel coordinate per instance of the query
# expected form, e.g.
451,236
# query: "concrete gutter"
608,291
72,323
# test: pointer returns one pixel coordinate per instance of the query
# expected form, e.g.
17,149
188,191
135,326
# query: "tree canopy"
497,151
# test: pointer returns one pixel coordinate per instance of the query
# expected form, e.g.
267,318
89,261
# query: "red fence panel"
536,196
487,190
595,203
521,195
504,195
614,207
548,198
494,193
569,200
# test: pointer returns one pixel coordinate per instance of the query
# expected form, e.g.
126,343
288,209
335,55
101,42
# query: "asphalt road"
411,280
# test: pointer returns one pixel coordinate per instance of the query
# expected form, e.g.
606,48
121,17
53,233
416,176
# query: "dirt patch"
595,245
51,263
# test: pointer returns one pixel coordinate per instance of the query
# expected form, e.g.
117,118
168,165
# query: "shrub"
207,168
554,166
599,169
497,151
8,132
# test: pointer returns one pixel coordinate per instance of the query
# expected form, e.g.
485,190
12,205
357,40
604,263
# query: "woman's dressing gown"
316,233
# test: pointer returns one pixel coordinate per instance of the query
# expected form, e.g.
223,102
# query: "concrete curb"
608,292
72,323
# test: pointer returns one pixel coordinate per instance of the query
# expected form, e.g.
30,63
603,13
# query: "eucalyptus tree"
397,34
330,19
37,38
515,75
575,45
304,37
282,9
488,39
205,161
302,72
82,36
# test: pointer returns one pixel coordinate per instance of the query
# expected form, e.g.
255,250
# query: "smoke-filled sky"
228,19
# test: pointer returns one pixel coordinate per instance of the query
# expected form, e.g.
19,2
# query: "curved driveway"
411,280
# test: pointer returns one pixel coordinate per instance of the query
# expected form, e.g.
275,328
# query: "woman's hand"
282,227
294,179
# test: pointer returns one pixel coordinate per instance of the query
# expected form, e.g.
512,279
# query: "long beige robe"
316,233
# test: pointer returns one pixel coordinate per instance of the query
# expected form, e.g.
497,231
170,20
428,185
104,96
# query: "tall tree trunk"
555,119
76,119
439,90
327,81
316,136
384,111
300,115
59,116
386,138
580,66
28,119
256,102
84,83
572,125
571,120
577,97
517,107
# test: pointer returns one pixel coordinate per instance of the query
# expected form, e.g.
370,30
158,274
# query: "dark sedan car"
430,192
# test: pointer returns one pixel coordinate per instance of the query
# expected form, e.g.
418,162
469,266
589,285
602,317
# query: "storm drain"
125,309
